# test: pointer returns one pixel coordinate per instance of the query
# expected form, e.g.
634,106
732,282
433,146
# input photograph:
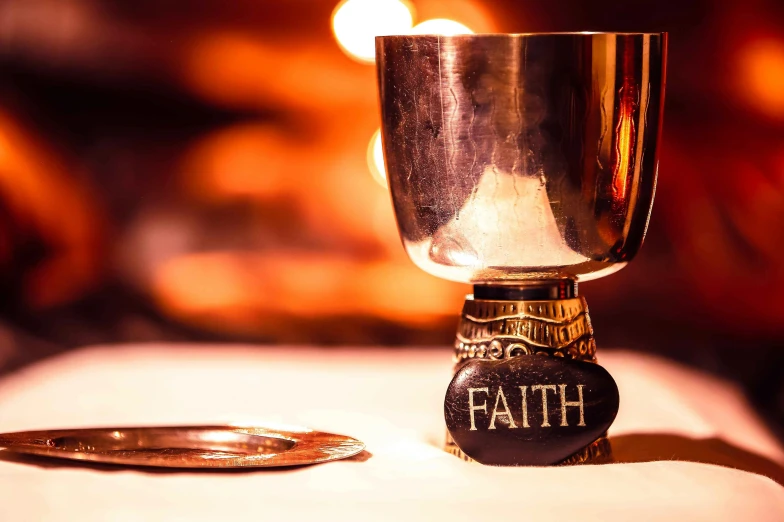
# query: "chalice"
523,164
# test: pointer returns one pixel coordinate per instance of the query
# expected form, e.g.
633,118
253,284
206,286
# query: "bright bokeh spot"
441,26
375,157
762,76
356,23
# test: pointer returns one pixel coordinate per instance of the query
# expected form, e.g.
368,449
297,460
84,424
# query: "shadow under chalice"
651,447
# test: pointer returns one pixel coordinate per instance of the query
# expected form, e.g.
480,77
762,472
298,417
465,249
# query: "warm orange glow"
624,149
262,164
356,23
248,161
761,78
441,26
237,69
232,290
43,201
375,156
625,131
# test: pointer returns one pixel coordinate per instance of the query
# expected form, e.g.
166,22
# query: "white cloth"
392,400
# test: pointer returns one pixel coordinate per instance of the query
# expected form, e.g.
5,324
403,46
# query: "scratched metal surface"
513,157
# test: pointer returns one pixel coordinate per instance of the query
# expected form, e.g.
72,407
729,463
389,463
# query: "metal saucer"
186,446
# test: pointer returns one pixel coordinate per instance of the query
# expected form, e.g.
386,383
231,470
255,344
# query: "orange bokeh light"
761,76
239,69
233,290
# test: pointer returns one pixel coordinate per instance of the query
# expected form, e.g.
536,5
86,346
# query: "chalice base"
546,318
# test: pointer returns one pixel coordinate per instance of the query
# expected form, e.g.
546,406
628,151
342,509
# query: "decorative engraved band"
497,329
501,329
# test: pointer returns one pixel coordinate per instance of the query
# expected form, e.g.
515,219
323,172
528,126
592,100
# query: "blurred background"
210,170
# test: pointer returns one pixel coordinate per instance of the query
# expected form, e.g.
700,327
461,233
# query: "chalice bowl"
523,164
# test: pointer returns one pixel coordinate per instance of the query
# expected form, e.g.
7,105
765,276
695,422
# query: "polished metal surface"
522,156
186,446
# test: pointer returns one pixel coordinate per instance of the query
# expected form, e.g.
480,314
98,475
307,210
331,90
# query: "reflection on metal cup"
523,156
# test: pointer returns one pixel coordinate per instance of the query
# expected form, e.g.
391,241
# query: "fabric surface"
675,426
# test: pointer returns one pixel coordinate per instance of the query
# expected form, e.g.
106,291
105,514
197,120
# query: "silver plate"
186,446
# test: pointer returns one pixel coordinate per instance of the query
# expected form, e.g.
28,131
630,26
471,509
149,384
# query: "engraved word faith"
505,413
